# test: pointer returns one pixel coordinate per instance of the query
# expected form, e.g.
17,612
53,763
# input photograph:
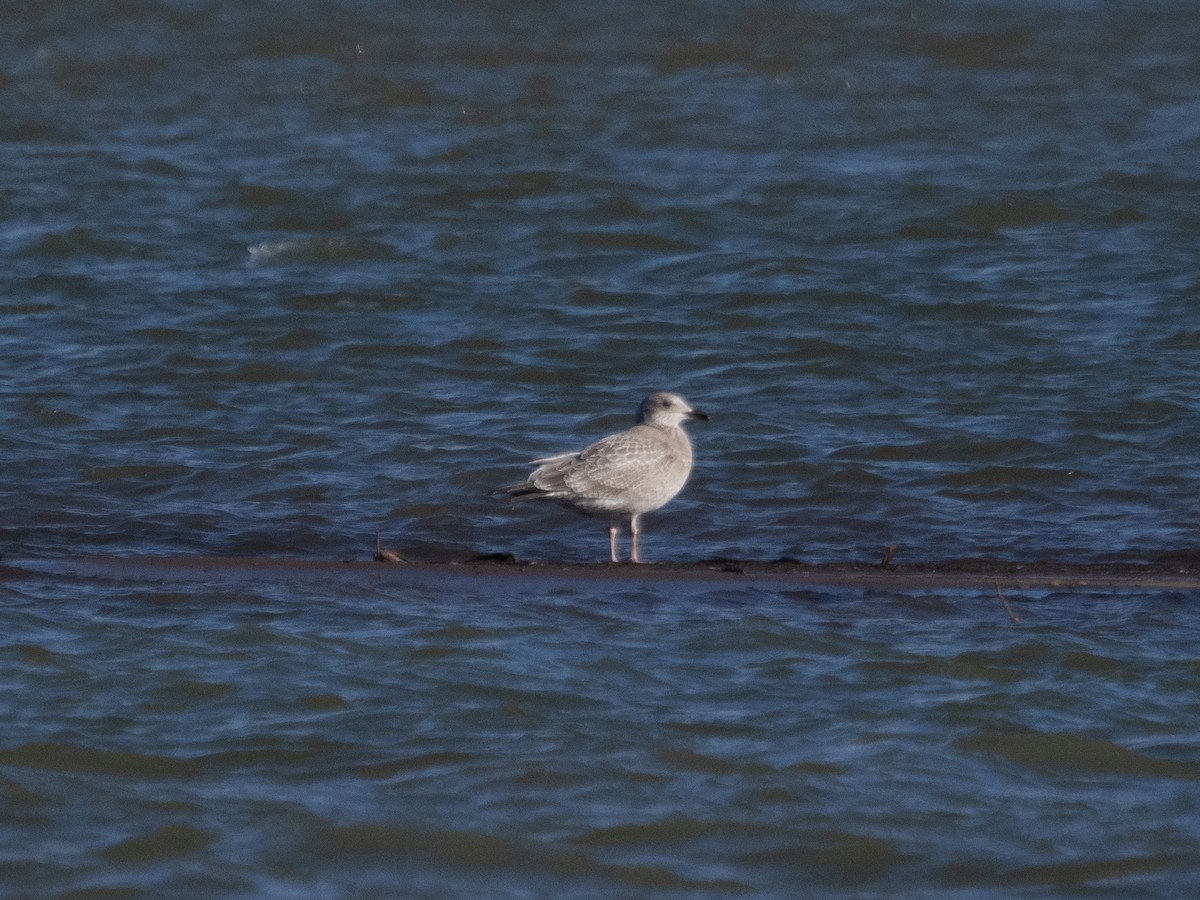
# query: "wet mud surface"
1169,571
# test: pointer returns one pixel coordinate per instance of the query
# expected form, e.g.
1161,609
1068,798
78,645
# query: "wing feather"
639,468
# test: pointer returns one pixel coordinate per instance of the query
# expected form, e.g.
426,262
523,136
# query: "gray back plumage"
624,474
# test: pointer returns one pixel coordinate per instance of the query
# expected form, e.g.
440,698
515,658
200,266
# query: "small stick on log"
887,556
383,554
1008,609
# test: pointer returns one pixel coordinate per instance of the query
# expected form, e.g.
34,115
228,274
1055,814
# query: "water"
206,737
279,275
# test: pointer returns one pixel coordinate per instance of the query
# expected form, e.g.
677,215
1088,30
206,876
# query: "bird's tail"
526,490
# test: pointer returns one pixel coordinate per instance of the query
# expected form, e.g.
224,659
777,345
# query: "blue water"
348,738
280,275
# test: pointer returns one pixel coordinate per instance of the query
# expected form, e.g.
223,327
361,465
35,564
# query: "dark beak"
698,414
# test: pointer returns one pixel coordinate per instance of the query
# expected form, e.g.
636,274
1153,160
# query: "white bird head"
667,410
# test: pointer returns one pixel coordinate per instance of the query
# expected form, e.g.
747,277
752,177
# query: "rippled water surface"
210,737
279,275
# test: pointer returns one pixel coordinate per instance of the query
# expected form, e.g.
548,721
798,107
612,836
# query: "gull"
623,475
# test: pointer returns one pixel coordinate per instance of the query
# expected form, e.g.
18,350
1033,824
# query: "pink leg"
633,536
612,541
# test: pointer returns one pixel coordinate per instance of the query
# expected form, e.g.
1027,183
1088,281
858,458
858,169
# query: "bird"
622,476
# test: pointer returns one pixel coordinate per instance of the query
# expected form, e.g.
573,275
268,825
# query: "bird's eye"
666,402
